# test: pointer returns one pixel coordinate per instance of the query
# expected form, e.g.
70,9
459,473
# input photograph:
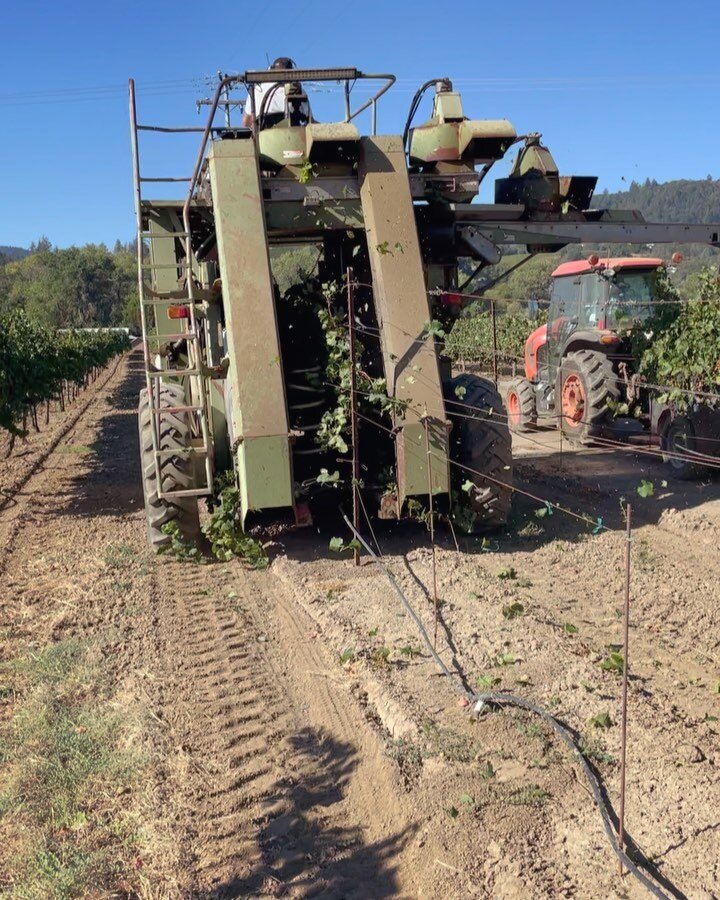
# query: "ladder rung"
159,180
190,492
170,301
153,235
184,452
187,336
178,265
176,409
201,295
173,373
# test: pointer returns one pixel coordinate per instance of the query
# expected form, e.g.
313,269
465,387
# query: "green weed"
226,536
118,556
613,662
531,795
179,547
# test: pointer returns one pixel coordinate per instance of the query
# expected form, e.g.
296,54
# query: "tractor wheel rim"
514,407
573,401
679,446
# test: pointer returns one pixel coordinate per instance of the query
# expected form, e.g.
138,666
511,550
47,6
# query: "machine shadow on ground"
301,850
113,480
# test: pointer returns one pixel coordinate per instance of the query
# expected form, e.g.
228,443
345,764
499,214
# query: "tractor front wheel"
678,444
176,470
586,387
520,404
481,450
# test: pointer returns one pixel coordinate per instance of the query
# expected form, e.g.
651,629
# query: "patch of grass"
513,610
530,795
346,656
504,659
449,744
534,731
408,756
66,826
593,750
118,556
531,529
74,449
488,681
380,657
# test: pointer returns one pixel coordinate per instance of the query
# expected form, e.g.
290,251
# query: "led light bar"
285,75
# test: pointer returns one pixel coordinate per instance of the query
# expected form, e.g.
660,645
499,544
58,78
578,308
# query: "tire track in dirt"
285,772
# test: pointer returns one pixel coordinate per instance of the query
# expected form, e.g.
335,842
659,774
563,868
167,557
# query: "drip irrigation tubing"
480,702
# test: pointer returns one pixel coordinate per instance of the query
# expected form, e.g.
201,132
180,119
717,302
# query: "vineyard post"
626,642
353,411
426,422
494,341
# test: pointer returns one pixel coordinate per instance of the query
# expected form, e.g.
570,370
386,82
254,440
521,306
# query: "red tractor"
578,366
580,373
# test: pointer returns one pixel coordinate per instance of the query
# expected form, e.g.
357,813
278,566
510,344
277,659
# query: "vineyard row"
39,365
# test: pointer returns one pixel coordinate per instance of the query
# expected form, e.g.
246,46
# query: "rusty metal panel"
403,310
256,380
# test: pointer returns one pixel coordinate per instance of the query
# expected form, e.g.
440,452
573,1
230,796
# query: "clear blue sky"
619,89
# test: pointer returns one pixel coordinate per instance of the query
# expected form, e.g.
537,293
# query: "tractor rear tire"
480,441
679,439
176,472
586,387
520,404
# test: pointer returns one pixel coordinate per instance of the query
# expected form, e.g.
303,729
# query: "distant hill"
13,252
684,200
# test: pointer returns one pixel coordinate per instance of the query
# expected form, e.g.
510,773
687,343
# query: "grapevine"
38,365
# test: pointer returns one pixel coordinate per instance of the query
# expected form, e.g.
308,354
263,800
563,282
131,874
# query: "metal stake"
494,339
626,635
353,411
426,422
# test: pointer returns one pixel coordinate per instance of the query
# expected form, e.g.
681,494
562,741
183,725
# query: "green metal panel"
403,309
162,253
331,214
255,372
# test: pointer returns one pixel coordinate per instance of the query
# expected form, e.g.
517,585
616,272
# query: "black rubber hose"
415,104
497,699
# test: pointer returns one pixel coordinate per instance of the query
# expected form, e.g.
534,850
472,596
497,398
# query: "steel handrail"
277,76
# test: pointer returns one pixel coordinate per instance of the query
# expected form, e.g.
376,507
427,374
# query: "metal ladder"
158,300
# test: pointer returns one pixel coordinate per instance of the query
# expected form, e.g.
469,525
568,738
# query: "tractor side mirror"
533,310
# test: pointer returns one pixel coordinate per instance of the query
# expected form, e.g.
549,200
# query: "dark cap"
283,62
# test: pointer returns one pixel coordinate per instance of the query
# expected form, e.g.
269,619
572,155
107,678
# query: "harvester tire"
480,441
520,405
586,387
176,471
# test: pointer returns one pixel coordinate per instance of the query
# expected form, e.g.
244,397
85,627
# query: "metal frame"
195,369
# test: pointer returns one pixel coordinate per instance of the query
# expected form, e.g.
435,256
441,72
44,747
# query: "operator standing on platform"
275,107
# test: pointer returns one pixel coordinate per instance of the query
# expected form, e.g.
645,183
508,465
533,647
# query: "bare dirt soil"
301,741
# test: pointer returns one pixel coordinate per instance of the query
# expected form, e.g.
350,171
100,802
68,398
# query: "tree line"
74,287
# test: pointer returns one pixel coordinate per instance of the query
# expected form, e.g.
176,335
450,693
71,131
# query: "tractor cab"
593,300
574,365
